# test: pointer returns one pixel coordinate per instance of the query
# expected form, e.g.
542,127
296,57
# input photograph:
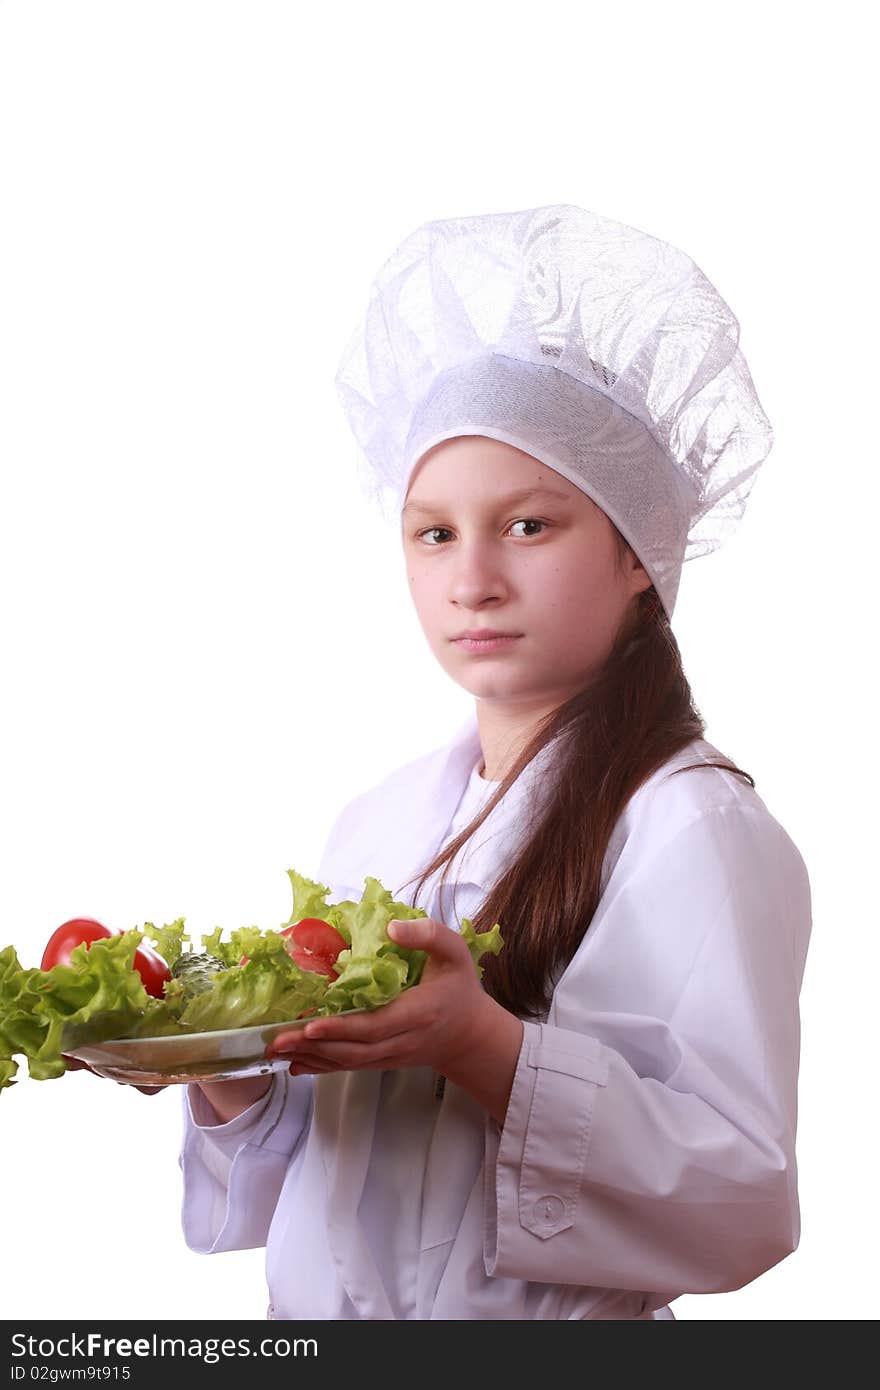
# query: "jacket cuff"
233,1173
203,1116
532,1186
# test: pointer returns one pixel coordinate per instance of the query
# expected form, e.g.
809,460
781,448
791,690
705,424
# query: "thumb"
424,934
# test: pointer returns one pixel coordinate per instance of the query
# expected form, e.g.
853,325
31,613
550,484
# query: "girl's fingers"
349,1040
282,1043
375,1026
314,1060
74,1064
341,1054
302,1067
305,1064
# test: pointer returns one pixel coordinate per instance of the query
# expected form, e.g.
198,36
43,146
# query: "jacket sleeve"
655,1148
233,1173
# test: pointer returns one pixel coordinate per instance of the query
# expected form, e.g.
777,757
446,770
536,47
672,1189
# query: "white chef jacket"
648,1148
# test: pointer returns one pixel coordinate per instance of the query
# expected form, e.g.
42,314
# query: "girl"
557,410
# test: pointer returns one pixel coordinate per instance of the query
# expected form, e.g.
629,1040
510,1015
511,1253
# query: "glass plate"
223,1055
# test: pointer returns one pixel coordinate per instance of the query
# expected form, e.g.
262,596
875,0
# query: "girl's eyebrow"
511,500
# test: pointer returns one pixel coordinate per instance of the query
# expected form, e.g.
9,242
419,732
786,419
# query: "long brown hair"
616,732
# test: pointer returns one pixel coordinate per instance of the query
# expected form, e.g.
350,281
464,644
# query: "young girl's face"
543,567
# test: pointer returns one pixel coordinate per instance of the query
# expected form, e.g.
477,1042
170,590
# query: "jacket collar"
415,807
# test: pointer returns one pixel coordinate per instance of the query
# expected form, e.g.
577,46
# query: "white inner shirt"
477,791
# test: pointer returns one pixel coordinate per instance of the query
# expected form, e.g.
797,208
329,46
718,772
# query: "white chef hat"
601,351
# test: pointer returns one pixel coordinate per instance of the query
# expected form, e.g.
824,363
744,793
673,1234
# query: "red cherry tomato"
69,935
309,960
149,964
153,970
313,945
316,935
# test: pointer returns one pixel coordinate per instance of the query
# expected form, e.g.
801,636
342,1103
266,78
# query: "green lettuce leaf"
480,943
97,996
375,969
168,940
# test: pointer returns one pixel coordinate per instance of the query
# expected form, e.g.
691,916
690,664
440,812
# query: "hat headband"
578,431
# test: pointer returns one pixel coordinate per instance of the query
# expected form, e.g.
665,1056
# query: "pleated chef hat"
599,350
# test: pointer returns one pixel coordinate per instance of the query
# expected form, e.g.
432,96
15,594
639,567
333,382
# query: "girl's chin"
490,686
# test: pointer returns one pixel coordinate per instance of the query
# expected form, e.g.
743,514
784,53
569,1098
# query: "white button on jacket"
648,1148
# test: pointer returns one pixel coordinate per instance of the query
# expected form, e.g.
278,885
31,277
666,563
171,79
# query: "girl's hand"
74,1064
432,1024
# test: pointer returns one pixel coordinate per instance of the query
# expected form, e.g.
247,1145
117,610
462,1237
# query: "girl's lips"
490,644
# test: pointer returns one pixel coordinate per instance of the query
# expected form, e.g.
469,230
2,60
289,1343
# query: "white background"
208,645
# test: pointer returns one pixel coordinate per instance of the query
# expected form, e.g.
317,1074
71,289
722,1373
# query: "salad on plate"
158,1009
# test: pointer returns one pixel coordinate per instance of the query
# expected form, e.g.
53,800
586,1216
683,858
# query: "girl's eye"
523,521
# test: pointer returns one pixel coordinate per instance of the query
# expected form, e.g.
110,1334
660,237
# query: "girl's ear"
635,571
642,579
